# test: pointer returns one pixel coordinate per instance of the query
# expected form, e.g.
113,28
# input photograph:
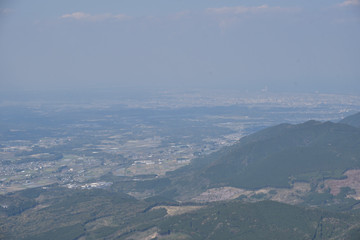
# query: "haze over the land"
179,119
291,46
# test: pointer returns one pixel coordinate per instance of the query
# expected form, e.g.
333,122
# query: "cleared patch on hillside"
286,195
352,181
149,234
177,210
291,195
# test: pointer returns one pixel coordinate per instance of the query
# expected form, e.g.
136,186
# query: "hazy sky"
180,44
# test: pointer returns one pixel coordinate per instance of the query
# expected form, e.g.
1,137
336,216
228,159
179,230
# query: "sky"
137,45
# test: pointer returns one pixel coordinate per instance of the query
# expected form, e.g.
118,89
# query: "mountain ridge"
275,157
352,120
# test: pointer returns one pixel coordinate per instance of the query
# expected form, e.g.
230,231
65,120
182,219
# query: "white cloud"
228,16
5,10
94,18
76,15
350,3
182,14
236,9
120,16
244,9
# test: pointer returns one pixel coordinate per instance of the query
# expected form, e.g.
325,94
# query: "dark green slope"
60,213
353,120
272,157
261,220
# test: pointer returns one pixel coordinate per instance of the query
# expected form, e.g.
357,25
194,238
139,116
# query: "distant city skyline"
137,46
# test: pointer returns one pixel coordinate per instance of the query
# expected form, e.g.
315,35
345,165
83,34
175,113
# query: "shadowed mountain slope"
276,156
262,220
353,120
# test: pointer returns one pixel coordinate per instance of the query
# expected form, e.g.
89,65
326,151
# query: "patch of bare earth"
141,195
177,210
221,194
352,181
291,195
149,234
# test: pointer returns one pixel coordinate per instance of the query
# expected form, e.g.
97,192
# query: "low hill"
353,120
